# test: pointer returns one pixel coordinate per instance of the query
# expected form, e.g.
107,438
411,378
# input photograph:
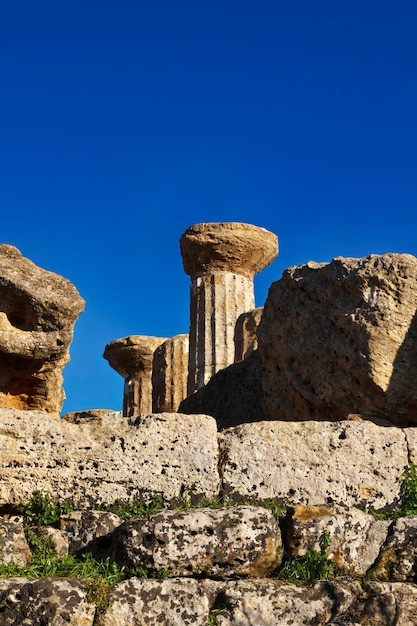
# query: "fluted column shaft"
169,374
216,301
221,259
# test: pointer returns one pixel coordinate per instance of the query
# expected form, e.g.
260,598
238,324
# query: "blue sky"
123,123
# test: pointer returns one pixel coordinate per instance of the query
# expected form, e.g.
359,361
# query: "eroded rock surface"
338,339
175,602
38,310
398,558
47,602
335,603
355,537
241,541
13,545
85,527
110,458
347,462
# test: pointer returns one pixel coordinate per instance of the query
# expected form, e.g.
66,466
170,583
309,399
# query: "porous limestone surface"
108,459
47,602
339,338
241,541
227,247
13,545
398,557
84,527
355,537
267,602
38,310
347,462
173,602
57,539
336,603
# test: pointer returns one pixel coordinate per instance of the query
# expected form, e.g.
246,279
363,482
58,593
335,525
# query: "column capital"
133,354
232,247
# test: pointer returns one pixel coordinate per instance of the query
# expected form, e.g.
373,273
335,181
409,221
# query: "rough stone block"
174,602
398,559
348,462
110,458
241,541
13,545
49,601
355,537
84,527
339,338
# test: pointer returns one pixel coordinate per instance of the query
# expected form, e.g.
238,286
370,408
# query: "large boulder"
340,338
38,310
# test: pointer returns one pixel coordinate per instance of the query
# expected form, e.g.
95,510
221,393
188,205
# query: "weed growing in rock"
42,510
408,497
312,566
217,609
409,491
136,508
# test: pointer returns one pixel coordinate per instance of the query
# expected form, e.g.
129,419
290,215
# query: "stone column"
132,358
222,259
246,337
169,374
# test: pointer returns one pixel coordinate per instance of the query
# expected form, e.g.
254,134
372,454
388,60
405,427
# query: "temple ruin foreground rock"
222,259
38,310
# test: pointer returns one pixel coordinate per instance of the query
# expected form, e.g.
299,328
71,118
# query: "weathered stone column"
169,374
246,338
132,358
222,259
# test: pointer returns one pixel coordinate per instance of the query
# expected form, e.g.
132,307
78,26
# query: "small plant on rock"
42,510
312,566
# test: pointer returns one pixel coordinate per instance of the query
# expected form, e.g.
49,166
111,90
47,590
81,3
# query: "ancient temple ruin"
222,260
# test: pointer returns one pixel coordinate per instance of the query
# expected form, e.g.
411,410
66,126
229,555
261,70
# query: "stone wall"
220,563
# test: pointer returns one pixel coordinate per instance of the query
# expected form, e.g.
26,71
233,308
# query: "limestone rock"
13,545
57,538
381,604
398,558
246,333
174,602
85,527
241,541
351,463
227,247
170,374
339,338
338,603
38,310
232,396
355,537
267,602
81,417
47,602
222,259
113,458
132,358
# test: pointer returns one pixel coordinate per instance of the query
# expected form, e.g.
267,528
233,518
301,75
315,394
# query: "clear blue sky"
123,123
